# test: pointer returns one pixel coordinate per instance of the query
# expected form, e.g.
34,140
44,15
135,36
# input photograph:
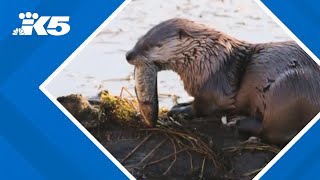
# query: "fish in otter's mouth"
147,93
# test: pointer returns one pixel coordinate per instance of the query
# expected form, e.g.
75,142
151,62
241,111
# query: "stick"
168,156
202,168
145,139
175,157
152,151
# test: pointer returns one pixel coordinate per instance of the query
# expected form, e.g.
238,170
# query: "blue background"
37,141
302,161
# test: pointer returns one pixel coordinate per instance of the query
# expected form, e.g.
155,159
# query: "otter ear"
183,34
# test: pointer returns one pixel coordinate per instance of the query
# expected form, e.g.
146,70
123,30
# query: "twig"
191,160
197,144
252,147
126,90
130,102
134,150
129,139
202,168
175,157
169,131
252,172
168,156
152,151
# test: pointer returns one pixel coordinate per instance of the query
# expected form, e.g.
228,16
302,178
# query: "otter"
275,86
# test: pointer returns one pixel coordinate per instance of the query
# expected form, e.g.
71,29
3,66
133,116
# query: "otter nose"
130,55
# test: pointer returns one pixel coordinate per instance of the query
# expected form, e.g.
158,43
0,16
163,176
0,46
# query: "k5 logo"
57,26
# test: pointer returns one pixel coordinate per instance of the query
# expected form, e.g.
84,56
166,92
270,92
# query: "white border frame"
42,87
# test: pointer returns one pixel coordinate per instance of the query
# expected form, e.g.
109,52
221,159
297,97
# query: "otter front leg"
203,106
198,108
247,125
184,109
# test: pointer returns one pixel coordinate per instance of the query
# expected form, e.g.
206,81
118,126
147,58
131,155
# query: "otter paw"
182,111
252,140
233,122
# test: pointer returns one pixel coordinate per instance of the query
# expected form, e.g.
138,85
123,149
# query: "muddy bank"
175,148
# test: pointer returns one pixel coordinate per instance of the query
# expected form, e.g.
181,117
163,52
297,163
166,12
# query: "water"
102,64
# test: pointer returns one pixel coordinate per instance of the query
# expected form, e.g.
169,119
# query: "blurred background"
102,64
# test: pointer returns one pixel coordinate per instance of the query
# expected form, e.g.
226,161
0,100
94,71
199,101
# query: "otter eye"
159,45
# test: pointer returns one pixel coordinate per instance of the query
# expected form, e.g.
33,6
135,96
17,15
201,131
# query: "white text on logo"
57,26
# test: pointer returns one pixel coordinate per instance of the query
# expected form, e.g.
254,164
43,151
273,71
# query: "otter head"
161,45
192,50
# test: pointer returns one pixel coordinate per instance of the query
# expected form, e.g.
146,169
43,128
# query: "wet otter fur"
274,85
